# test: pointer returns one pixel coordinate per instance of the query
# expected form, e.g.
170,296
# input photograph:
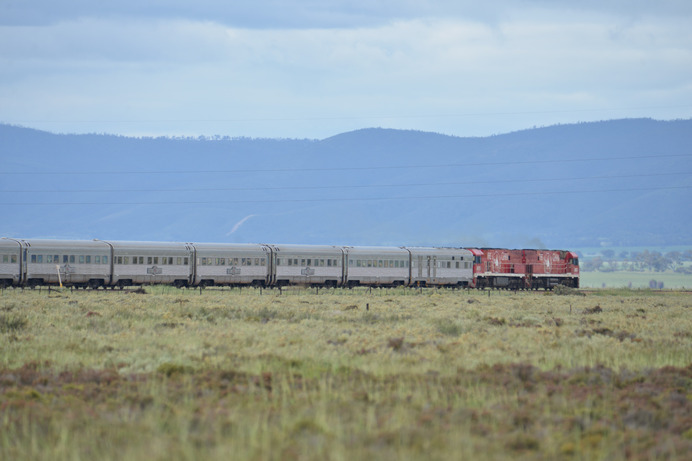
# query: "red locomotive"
524,269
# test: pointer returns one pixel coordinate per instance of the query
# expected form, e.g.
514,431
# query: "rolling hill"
620,182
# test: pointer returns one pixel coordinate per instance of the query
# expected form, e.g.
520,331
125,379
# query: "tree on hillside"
675,258
593,264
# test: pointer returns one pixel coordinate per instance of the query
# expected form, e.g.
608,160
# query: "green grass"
619,279
345,374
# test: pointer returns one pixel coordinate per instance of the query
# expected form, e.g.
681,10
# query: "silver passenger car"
232,264
78,263
10,262
378,266
308,265
140,263
441,267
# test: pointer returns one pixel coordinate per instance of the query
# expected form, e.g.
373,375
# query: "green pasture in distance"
588,252
619,279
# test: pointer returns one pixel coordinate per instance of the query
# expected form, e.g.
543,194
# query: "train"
118,264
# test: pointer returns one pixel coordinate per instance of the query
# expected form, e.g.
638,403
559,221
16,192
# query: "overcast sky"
316,68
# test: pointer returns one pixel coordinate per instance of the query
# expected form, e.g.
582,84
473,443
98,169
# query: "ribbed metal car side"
232,264
11,263
308,265
377,266
441,266
78,263
143,263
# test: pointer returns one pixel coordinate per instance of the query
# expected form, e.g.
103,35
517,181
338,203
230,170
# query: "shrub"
11,323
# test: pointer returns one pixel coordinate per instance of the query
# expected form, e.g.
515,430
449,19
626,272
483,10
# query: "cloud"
150,71
240,223
264,14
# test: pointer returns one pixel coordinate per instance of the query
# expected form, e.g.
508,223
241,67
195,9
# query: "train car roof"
229,246
439,251
9,242
376,250
134,245
307,249
49,244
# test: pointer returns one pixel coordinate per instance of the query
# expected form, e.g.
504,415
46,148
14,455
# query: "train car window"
88,259
97,259
33,258
81,259
156,259
72,259
13,259
5,258
149,259
290,261
49,258
104,259
329,263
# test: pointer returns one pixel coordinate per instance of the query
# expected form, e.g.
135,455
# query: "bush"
11,323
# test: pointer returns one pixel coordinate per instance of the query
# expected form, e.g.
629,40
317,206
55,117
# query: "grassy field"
622,279
345,374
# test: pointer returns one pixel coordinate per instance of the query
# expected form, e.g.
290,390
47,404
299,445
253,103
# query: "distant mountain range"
619,182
